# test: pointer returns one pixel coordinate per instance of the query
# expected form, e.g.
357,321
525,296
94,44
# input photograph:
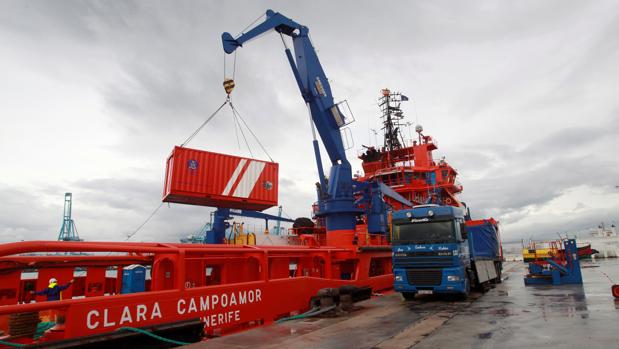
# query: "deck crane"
336,199
217,233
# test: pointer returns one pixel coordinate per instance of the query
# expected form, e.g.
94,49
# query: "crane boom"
311,79
336,202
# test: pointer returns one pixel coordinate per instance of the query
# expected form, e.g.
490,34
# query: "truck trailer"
438,250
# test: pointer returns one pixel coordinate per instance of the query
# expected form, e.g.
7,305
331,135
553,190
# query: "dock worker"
53,290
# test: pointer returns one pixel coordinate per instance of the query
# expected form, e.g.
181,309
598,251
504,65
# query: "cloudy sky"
523,98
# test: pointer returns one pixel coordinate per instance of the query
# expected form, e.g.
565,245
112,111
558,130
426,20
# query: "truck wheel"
499,271
409,296
474,285
467,289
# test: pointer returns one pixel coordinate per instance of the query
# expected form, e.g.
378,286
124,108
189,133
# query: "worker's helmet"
53,280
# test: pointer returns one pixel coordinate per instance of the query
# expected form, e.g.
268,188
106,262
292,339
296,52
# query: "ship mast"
391,117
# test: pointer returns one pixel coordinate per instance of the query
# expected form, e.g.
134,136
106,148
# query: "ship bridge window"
391,179
407,177
444,173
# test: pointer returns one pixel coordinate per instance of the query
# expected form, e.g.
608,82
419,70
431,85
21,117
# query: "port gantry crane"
68,230
336,199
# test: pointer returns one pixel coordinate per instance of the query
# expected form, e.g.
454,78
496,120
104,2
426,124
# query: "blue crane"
335,198
340,198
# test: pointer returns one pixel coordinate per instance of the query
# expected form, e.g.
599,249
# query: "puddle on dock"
485,335
518,316
510,316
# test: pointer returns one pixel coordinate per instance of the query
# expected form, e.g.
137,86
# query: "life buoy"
448,201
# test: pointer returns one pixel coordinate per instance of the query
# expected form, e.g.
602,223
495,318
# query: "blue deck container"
134,279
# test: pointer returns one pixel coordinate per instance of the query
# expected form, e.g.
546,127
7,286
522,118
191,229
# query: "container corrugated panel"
203,178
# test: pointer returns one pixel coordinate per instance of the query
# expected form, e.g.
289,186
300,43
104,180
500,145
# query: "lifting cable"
228,86
129,236
205,122
233,66
236,112
236,115
236,121
263,14
236,133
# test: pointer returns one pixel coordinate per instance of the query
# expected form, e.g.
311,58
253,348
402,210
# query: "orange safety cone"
615,291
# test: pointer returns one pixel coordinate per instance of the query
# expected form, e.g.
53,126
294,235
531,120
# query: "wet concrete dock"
508,316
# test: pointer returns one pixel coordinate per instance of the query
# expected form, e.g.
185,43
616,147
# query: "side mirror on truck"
463,232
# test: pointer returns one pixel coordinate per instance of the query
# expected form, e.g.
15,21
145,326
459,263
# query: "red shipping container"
203,178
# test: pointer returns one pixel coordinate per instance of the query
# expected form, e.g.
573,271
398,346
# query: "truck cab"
433,252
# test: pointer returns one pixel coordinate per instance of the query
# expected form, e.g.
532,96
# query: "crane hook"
228,85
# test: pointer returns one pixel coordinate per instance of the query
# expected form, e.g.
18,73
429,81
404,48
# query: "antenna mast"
391,116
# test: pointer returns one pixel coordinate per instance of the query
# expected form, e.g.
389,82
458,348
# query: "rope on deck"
14,345
150,334
310,313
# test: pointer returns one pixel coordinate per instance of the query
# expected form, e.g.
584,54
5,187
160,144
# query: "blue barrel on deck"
134,279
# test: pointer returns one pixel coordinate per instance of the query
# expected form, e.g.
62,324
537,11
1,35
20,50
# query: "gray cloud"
24,216
519,95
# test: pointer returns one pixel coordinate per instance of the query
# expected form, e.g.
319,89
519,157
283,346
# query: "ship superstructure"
410,169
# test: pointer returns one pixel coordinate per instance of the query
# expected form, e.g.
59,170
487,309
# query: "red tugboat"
124,290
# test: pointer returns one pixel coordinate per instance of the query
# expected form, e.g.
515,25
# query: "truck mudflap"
486,271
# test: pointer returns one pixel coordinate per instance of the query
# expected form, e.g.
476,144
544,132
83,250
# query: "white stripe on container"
249,179
235,175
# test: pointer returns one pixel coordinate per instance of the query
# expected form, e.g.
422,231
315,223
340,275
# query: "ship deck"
508,316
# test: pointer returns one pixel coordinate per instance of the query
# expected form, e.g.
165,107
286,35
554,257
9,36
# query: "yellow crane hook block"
228,86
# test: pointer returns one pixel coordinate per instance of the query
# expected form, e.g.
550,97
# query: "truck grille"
424,277
411,262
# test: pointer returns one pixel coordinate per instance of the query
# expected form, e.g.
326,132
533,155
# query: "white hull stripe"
249,179
235,175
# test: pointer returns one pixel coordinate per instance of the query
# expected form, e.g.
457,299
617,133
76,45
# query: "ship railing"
179,272
318,237
365,239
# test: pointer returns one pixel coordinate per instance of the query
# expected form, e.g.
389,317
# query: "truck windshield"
424,233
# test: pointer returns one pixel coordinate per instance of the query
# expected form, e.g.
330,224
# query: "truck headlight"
453,278
398,278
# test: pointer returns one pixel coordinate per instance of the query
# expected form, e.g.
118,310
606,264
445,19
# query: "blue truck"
439,250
